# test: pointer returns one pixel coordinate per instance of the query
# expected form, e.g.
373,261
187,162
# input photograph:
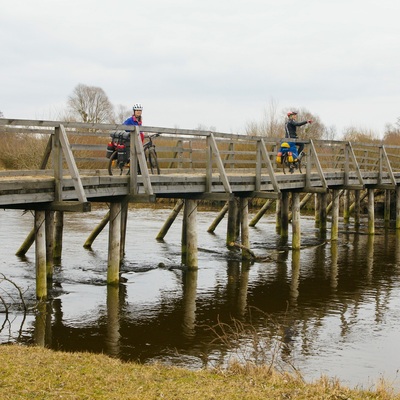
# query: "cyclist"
136,118
290,130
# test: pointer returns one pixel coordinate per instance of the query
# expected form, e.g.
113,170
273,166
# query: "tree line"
91,104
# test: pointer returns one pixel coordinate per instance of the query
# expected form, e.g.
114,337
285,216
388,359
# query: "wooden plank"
72,165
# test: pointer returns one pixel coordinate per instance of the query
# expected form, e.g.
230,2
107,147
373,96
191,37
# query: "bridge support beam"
371,211
189,234
114,244
40,255
296,232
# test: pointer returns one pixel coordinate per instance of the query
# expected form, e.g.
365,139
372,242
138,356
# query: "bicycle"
118,151
288,157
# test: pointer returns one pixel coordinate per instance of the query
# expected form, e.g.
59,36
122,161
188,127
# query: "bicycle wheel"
153,161
113,166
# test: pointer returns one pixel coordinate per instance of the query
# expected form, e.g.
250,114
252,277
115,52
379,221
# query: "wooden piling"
357,208
244,225
267,205
114,244
190,223
285,214
58,236
124,223
371,211
40,255
170,220
323,198
218,218
96,231
397,207
346,206
278,216
335,214
28,242
317,210
386,211
231,234
49,244
296,231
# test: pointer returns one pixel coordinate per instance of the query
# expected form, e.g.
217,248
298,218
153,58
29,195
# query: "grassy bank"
37,373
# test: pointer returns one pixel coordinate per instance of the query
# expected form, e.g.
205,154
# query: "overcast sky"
217,63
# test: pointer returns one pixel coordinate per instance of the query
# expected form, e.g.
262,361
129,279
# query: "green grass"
38,373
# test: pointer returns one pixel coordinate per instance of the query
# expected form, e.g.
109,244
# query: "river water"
328,309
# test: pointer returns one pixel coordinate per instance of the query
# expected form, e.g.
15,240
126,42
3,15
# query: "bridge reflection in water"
328,308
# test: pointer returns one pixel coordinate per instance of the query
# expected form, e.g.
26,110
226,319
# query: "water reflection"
329,306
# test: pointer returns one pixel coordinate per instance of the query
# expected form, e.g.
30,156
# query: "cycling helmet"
137,107
291,113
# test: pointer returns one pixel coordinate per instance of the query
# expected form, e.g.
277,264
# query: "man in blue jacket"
290,130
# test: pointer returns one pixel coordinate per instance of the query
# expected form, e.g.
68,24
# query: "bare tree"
122,113
90,104
273,124
392,133
355,134
1,115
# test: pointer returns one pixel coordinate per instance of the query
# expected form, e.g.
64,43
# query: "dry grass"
37,373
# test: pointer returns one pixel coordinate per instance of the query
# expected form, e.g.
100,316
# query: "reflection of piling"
113,321
294,284
334,265
189,302
170,220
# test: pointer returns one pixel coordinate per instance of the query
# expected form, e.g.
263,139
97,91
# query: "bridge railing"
181,150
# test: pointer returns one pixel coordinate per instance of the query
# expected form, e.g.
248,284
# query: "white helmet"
137,107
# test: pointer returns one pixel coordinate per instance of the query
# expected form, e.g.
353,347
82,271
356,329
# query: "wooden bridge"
195,165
